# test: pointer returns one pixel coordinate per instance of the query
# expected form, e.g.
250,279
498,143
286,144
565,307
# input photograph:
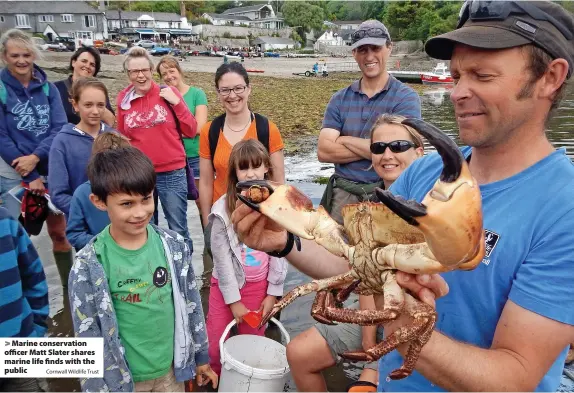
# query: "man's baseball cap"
370,32
507,24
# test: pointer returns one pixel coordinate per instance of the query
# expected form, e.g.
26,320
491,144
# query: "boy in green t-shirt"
134,285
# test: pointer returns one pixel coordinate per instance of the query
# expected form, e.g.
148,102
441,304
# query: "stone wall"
206,31
229,42
406,47
399,48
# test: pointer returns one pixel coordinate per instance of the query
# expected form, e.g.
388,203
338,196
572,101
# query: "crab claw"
259,191
294,211
450,215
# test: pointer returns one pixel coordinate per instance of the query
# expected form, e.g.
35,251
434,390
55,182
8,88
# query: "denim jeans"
194,164
171,188
7,201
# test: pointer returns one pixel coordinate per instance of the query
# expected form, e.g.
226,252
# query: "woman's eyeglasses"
134,73
236,90
394,146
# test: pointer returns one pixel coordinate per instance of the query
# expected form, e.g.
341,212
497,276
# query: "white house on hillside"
328,38
261,16
269,43
147,25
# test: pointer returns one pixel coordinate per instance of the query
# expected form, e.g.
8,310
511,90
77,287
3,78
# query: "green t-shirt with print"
141,289
193,98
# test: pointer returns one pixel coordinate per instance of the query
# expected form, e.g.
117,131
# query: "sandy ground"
281,67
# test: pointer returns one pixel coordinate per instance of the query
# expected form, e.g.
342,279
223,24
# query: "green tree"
569,5
306,15
372,10
344,10
419,20
221,6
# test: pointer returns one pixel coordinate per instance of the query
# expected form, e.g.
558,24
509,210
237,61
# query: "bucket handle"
232,323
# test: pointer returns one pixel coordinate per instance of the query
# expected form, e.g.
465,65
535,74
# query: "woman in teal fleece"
30,117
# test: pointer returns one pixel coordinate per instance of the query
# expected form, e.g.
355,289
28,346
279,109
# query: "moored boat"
439,75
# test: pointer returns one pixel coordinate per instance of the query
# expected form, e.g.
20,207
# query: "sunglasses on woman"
394,146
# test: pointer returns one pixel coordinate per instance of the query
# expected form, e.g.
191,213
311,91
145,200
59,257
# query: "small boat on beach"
439,76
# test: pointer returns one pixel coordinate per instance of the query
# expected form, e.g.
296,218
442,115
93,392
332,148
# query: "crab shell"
443,232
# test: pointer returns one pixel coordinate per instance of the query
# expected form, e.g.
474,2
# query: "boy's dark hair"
124,170
92,51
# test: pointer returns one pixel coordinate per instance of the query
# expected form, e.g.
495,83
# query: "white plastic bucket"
253,363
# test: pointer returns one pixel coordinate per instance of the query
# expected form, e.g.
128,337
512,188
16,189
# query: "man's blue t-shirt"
528,219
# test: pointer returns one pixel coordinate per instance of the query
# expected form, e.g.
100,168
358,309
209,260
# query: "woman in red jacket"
146,116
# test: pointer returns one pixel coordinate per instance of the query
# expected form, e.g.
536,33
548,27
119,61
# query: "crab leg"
305,289
416,334
450,215
393,303
420,311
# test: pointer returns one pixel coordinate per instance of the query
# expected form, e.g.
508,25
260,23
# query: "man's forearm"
316,262
457,366
336,153
359,146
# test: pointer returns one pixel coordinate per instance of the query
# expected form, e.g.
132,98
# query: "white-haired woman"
146,116
31,115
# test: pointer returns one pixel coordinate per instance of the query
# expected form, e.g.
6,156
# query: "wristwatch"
291,240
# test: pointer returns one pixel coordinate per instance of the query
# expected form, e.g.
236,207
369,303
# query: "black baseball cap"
508,24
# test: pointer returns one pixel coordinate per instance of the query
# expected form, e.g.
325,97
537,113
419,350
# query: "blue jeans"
194,164
7,201
171,188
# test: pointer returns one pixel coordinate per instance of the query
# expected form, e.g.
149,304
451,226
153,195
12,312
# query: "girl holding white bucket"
243,279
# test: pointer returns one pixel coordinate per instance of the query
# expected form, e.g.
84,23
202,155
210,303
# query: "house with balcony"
347,24
71,19
147,25
262,16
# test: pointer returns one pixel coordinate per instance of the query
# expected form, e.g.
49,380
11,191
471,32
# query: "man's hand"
204,374
425,287
257,231
25,164
37,187
239,310
267,304
168,94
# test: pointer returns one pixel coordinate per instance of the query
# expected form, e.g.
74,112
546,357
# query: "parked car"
67,42
146,44
160,51
271,54
40,43
56,46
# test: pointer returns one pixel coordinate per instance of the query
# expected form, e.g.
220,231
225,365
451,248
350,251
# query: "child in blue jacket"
72,147
84,219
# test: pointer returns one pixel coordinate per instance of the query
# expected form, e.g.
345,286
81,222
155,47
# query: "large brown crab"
442,233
